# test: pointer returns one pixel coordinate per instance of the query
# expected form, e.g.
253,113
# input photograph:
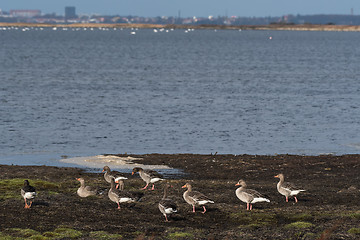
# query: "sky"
189,8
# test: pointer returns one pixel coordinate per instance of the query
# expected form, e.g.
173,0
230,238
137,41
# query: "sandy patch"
113,162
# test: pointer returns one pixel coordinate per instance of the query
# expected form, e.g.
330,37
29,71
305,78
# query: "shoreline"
328,208
275,27
124,161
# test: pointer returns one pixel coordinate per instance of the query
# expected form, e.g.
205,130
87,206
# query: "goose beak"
184,186
132,173
277,176
237,184
78,179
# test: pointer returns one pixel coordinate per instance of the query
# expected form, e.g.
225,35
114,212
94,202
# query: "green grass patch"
104,235
19,233
38,237
64,232
355,231
254,219
355,215
61,232
10,188
253,226
180,235
23,233
299,225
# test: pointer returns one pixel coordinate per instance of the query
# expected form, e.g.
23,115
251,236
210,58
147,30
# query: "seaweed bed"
329,209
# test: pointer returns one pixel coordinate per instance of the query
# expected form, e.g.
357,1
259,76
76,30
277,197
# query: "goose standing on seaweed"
85,191
149,176
286,188
195,198
118,196
249,196
112,174
28,192
166,205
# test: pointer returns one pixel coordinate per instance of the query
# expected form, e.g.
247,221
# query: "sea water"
84,92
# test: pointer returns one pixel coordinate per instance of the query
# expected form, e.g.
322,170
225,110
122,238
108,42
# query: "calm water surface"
82,93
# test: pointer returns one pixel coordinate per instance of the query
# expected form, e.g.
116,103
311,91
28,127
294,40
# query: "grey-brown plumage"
249,196
28,192
149,176
85,191
112,174
166,205
119,196
286,188
195,198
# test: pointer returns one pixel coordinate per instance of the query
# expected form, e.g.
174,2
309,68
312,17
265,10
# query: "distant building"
25,13
70,13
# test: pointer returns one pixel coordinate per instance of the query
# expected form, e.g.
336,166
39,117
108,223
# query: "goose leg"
145,187
204,210
247,206
118,205
250,206
26,205
153,187
193,208
287,199
295,199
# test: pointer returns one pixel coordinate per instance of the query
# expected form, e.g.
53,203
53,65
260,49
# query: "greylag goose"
85,191
166,205
137,195
195,198
112,174
149,176
249,196
287,189
28,192
118,196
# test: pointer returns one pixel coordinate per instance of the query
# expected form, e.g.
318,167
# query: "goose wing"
289,186
29,188
253,193
90,189
168,204
198,196
152,174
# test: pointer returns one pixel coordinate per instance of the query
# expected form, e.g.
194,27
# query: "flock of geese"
166,205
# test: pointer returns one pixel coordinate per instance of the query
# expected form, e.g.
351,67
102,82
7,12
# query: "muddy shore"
329,209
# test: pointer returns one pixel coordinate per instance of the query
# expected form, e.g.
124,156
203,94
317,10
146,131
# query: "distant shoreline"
278,27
